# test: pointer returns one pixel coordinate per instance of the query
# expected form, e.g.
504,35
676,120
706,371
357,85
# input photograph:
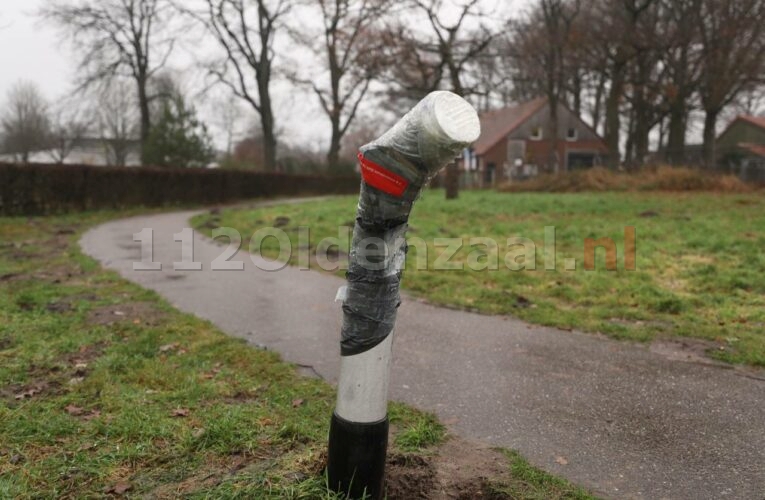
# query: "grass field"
700,269
107,391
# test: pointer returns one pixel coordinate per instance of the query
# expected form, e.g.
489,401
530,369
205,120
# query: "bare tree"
622,37
449,50
229,116
682,60
117,38
411,68
541,48
68,129
361,132
248,152
118,123
492,74
352,60
751,100
455,45
25,123
245,31
732,35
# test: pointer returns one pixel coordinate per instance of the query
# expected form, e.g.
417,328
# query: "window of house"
536,134
572,135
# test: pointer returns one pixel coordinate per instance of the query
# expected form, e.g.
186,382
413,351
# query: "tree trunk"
599,91
642,134
553,164
613,120
710,138
143,104
269,143
676,140
577,95
333,155
452,181
643,124
267,122
629,150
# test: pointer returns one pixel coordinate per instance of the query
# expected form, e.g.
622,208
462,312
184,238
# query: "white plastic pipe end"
456,117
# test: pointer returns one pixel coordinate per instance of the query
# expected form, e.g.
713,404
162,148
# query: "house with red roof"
741,148
515,144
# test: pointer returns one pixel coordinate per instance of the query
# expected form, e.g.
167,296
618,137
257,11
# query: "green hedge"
46,189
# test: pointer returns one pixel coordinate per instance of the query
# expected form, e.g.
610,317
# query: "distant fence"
45,189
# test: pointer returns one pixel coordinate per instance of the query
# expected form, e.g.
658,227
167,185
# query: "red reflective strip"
382,179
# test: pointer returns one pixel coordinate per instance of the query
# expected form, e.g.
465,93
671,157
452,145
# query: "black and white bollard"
394,168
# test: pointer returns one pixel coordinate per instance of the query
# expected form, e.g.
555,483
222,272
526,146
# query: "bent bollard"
394,168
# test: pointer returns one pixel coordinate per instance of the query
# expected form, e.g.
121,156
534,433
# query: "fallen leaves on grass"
119,488
174,347
180,413
93,414
212,373
296,403
169,347
58,307
29,393
86,415
74,410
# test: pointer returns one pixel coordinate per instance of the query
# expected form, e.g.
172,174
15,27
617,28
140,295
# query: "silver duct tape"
425,140
372,295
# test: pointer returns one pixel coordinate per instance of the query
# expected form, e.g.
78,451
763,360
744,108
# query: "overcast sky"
33,50
30,50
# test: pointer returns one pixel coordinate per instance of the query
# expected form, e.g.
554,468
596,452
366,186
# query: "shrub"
655,179
45,189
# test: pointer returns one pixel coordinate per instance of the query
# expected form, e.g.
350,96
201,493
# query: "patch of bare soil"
16,393
458,469
212,476
410,477
84,356
139,313
42,381
216,470
59,274
9,277
6,343
688,350
54,275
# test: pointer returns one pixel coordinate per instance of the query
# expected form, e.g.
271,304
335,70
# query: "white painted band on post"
362,392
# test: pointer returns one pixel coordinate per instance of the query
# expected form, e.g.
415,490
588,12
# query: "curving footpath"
618,418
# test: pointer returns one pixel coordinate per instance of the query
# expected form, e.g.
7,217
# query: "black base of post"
356,463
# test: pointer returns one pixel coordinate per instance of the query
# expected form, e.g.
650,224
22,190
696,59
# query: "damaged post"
394,168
